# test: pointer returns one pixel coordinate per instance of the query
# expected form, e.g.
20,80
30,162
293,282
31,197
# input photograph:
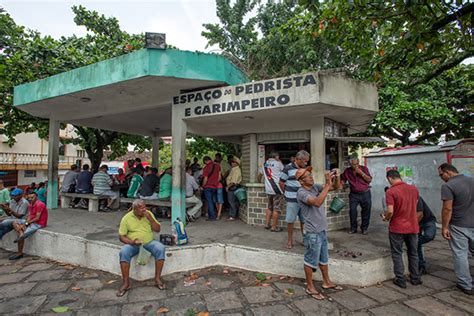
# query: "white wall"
41,176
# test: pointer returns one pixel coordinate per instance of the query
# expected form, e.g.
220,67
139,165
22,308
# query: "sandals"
289,246
268,227
334,287
275,230
160,286
316,295
121,292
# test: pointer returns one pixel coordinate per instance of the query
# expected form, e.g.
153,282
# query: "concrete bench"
66,199
155,202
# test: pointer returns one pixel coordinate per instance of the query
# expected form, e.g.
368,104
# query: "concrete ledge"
104,256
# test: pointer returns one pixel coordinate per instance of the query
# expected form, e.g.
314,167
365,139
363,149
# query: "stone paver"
297,290
272,310
310,306
74,301
382,294
218,301
436,283
260,294
36,267
46,284
458,299
47,275
143,308
13,277
147,293
432,307
411,290
15,289
394,309
100,311
108,297
180,305
89,285
22,305
45,287
353,300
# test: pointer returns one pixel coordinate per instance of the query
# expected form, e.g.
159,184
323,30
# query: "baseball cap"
16,192
301,172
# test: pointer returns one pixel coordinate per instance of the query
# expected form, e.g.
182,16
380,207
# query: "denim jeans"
6,226
233,203
364,199
427,234
156,248
396,247
461,243
210,195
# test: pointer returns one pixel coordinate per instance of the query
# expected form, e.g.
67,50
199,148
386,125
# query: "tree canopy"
412,50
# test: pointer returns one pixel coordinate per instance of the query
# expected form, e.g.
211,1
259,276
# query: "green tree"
28,56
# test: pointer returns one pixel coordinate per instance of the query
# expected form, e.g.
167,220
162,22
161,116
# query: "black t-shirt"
150,183
427,214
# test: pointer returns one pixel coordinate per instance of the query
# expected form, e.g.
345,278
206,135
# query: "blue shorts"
219,197
30,229
293,210
155,247
316,249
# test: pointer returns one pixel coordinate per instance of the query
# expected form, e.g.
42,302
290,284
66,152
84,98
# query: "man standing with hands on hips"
311,200
359,179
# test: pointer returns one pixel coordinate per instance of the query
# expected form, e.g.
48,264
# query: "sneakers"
400,283
365,232
465,291
416,282
352,231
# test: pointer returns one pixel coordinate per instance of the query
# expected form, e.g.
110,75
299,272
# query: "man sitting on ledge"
136,229
37,218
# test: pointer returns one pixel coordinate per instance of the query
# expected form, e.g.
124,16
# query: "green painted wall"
145,62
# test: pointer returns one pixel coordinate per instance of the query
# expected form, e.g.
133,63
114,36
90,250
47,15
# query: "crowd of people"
411,222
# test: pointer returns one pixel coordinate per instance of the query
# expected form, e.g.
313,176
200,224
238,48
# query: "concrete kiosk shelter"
170,92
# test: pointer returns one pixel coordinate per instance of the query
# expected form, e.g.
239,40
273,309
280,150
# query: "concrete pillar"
178,155
53,162
318,150
155,151
253,158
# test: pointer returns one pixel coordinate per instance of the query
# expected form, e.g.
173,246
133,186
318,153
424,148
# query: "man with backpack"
271,172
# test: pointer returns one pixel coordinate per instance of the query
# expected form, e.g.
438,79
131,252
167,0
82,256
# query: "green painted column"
155,151
53,162
178,156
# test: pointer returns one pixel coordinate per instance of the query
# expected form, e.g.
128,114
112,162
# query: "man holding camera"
359,179
311,199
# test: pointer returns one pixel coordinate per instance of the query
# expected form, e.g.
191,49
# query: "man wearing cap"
17,209
233,182
311,198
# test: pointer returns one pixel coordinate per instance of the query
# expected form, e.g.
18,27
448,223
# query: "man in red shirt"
359,179
402,199
211,179
37,218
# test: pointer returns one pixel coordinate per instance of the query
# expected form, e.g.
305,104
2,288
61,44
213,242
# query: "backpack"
179,232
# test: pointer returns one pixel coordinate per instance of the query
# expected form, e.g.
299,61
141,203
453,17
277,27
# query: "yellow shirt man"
137,228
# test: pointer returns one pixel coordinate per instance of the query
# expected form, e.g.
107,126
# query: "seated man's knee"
126,254
157,249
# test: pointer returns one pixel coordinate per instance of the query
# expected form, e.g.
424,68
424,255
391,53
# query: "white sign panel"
260,95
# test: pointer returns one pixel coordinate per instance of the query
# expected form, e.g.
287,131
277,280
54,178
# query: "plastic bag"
143,256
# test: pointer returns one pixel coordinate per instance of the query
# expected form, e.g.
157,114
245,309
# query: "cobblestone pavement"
34,285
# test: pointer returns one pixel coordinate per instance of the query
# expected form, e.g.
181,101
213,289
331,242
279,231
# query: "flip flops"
160,286
316,295
121,292
333,287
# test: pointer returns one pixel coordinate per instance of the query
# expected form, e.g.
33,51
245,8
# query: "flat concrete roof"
131,93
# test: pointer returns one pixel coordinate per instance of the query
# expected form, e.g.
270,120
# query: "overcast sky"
181,20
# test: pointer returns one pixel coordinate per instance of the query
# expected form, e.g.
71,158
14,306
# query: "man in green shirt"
4,196
136,183
136,229
165,185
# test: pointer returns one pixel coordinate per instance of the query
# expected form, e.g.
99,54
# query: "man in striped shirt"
290,186
102,183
